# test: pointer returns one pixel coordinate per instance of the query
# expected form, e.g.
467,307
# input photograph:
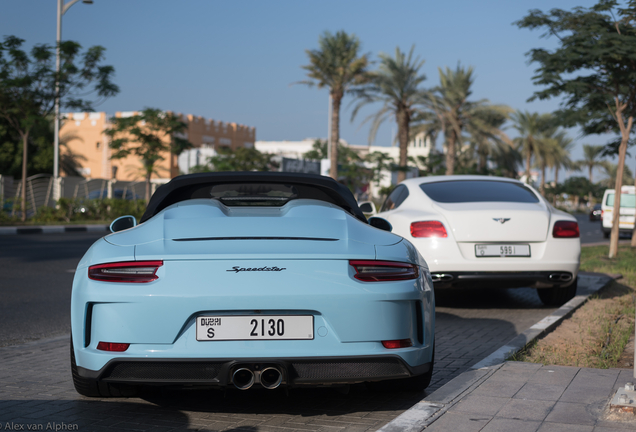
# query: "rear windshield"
248,194
255,194
478,191
627,200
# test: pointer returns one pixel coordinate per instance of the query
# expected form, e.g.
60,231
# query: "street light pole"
61,10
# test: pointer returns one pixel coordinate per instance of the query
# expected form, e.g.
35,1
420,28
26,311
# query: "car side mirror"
380,223
368,207
122,223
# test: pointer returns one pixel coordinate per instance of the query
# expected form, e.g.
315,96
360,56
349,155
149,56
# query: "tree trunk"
25,140
622,150
336,99
556,184
171,156
542,188
590,168
403,137
148,186
482,163
528,160
633,244
450,154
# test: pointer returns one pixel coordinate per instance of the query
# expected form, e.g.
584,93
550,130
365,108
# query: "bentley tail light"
428,229
399,343
565,229
111,346
131,271
381,271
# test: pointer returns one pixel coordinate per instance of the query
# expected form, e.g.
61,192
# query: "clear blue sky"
236,60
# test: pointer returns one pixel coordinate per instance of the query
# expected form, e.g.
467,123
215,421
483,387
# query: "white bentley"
479,231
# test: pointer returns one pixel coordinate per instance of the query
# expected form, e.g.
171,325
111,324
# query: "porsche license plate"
255,327
501,250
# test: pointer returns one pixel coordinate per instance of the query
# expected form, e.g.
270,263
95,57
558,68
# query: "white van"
627,211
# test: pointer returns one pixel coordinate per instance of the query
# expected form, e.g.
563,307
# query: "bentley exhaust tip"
271,378
441,277
243,378
561,277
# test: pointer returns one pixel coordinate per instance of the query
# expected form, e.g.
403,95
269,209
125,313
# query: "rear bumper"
516,279
302,371
607,230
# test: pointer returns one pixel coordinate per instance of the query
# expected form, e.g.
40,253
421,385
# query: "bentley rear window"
478,191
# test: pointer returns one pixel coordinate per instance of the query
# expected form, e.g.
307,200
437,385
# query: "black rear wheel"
93,388
557,296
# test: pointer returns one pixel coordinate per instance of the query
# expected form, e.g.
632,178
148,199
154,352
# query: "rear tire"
606,234
93,388
557,296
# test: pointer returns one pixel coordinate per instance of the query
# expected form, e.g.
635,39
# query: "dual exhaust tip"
244,378
560,277
441,277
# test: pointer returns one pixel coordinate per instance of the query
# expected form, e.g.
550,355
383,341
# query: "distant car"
479,231
595,213
240,279
627,211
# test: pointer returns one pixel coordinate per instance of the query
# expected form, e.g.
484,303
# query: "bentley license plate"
255,327
501,250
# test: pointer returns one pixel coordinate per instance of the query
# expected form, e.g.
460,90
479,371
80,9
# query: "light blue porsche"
251,279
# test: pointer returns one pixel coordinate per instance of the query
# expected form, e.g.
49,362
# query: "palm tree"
610,170
530,127
487,139
560,158
396,84
338,66
454,113
591,158
69,160
553,150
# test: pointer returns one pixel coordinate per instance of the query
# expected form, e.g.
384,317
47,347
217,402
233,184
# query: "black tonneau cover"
180,188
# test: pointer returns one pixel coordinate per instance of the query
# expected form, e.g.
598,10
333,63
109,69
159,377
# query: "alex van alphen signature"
52,426
242,269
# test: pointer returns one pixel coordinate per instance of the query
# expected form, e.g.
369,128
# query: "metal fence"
40,191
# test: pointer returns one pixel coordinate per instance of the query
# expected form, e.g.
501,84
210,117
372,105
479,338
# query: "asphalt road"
590,231
36,273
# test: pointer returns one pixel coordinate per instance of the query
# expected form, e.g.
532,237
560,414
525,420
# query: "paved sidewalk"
524,397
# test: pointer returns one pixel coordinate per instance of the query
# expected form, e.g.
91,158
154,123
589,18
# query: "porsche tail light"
131,271
428,229
111,346
399,343
382,271
565,229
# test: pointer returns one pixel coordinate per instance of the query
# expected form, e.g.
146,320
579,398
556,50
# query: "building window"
97,145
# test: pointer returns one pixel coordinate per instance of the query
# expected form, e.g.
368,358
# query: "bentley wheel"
557,296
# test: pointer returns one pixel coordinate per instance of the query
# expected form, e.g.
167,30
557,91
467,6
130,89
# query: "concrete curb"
425,412
52,229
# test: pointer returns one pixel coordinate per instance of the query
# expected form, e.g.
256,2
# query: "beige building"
84,137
